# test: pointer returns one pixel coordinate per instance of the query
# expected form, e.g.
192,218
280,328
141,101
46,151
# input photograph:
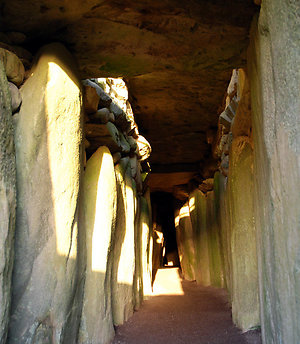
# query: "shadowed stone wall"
274,61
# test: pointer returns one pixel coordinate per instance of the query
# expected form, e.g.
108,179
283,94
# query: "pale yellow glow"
168,282
126,264
192,203
102,224
160,238
59,110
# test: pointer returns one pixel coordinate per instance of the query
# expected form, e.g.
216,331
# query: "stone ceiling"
176,57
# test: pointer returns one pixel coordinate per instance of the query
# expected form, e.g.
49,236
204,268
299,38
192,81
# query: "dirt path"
194,314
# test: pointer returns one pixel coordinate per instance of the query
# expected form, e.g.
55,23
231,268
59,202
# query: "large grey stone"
197,209
7,202
48,136
185,242
275,85
100,203
123,251
244,278
13,66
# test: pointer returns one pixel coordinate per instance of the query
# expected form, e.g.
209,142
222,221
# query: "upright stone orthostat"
244,277
100,202
274,61
48,137
7,202
123,251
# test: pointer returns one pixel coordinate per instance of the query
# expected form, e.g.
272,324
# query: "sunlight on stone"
127,252
192,203
63,165
101,236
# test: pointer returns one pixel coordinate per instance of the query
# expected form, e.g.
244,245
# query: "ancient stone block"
275,80
100,202
15,95
7,202
197,209
90,99
48,136
244,288
185,242
123,265
13,66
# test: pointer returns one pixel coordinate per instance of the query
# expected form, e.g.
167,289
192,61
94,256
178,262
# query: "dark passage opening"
165,251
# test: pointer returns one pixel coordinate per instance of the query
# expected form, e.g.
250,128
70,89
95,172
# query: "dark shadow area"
165,251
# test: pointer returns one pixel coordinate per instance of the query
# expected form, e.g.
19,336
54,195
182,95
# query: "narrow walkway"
182,312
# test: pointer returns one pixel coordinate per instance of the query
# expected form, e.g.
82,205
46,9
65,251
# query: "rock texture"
48,138
100,202
275,81
242,236
219,215
177,59
185,242
7,202
197,209
123,251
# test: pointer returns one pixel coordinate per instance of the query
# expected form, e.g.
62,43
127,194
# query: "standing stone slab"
146,249
245,304
7,202
123,251
100,201
275,87
48,137
214,241
185,243
197,208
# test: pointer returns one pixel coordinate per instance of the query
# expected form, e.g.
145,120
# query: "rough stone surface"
197,209
180,54
48,137
123,250
90,99
214,239
244,278
275,81
100,202
185,242
13,66
7,202
146,246
15,95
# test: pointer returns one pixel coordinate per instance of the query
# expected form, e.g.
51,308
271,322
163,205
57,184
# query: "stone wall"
83,239
274,61
221,213
7,196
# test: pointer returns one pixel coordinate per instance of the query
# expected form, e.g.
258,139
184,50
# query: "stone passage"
183,312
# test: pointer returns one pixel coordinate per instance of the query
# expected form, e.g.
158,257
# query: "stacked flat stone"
107,124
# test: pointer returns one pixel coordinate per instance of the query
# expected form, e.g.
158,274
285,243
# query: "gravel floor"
201,315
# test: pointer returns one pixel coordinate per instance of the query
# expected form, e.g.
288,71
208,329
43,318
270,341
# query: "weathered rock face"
242,234
214,239
177,58
197,209
275,90
123,252
146,246
100,202
7,202
185,242
48,138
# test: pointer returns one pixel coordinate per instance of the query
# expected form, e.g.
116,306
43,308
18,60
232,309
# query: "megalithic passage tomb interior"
150,172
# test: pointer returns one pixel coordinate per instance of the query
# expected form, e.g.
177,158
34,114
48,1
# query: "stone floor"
182,312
